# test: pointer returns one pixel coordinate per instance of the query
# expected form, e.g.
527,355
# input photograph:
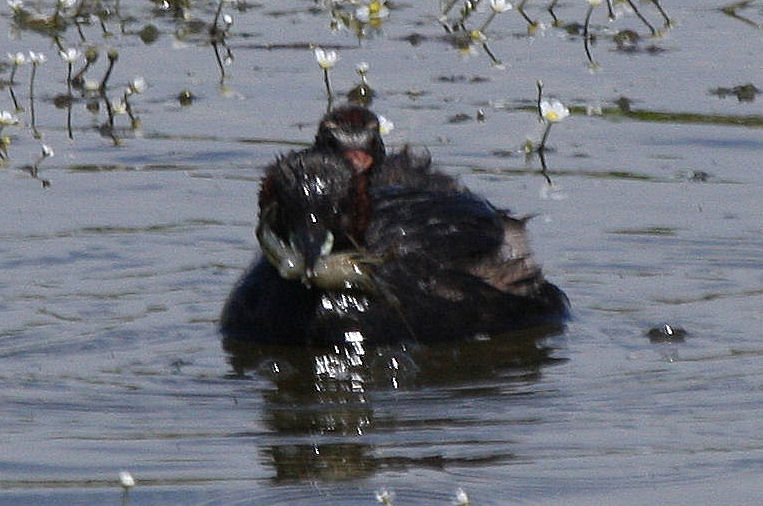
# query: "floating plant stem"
91,56
16,105
550,10
542,145
445,9
69,117
128,107
217,14
327,82
488,21
539,85
668,22
36,59
496,61
108,128
521,10
17,60
113,55
592,4
78,25
106,32
641,17
218,59
326,61
731,10
543,106
496,7
480,38
469,7
69,56
611,11
34,169
136,86
544,167
69,103
217,36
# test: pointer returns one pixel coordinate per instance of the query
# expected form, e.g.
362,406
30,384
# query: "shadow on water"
328,403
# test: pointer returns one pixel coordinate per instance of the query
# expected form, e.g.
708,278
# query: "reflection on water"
322,407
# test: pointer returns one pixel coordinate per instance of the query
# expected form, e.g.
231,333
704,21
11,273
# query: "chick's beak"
312,242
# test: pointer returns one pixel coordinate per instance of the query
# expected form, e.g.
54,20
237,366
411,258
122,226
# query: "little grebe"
361,245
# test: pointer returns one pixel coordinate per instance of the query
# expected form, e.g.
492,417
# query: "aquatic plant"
326,61
6,119
496,7
218,36
35,59
372,12
362,93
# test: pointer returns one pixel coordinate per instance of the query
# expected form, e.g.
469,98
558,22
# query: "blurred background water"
113,276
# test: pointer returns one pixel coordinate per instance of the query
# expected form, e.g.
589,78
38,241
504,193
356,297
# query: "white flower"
70,55
16,5
500,6
36,58
361,68
47,151
66,4
477,36
17,59
326,59
553,111
91,85
227,19
594,3
461,498
385,125
137,85
7,118
118,106
374,11
126,479
385,496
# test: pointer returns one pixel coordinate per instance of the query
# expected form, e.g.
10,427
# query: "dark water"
112,279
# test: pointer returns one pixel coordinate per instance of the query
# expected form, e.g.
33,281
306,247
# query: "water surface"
112,279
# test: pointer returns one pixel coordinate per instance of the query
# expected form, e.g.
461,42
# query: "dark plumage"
428,260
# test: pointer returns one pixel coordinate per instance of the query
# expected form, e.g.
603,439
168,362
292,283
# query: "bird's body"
426,259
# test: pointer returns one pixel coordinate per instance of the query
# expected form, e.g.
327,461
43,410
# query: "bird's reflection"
322,406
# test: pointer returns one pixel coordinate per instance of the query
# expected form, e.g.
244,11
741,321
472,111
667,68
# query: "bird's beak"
311,241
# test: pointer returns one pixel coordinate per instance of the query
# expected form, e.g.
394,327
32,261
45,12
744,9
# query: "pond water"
112,278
